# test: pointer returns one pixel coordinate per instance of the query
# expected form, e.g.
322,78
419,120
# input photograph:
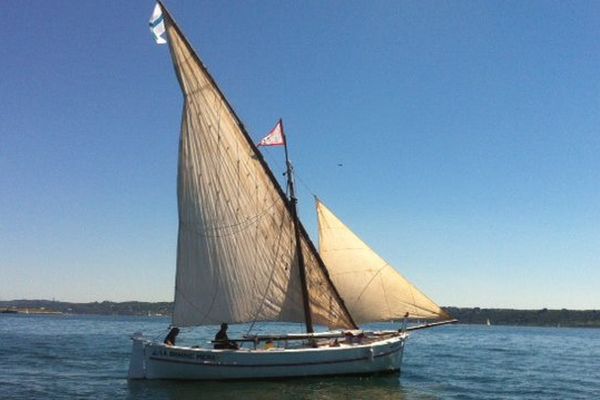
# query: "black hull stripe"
212,364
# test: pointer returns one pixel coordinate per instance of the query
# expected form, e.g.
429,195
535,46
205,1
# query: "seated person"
171,337
269,345
348,337
222,341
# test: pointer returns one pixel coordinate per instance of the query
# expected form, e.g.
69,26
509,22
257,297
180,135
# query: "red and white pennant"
275,138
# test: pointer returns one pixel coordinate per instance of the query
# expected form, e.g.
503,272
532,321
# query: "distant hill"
496,316
102,308
543,317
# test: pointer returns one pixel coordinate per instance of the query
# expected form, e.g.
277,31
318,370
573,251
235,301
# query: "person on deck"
222,341
171,337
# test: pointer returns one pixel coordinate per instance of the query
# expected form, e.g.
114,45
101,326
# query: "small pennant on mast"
157,25
275,138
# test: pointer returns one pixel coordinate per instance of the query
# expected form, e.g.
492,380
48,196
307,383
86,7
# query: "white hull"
156,361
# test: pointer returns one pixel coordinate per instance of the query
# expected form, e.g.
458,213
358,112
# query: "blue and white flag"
157,25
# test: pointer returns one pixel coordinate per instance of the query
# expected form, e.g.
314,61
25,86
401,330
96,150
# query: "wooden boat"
243,256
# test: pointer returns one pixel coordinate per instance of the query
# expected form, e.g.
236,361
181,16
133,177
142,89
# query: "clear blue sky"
468,134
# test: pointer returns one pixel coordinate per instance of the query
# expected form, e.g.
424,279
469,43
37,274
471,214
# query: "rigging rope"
272,274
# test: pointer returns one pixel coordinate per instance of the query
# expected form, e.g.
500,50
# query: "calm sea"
69,357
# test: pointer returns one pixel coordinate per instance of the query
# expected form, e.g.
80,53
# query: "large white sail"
236,245
371,288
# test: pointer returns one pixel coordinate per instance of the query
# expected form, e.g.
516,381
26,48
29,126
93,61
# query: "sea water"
71,357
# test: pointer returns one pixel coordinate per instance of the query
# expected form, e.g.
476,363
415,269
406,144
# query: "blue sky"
467,133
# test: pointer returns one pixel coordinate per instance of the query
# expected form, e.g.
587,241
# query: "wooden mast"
299,255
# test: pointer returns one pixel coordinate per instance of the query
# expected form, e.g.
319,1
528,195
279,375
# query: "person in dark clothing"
222,341
171,337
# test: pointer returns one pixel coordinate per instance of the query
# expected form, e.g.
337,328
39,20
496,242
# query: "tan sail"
371,288
236,248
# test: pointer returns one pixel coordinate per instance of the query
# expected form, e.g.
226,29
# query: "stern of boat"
137,366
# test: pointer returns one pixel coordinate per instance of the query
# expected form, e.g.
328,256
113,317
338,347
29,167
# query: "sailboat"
243,256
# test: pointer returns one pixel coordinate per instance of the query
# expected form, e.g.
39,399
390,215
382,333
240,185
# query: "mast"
294,212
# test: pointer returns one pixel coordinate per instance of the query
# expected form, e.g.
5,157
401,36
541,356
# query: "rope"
262,302
267,155
242,225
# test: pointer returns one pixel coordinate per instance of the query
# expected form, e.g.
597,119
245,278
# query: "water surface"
68,357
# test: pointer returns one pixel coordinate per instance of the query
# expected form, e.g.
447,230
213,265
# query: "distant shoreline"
466,315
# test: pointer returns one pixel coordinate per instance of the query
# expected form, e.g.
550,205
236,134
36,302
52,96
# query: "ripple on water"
87,357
